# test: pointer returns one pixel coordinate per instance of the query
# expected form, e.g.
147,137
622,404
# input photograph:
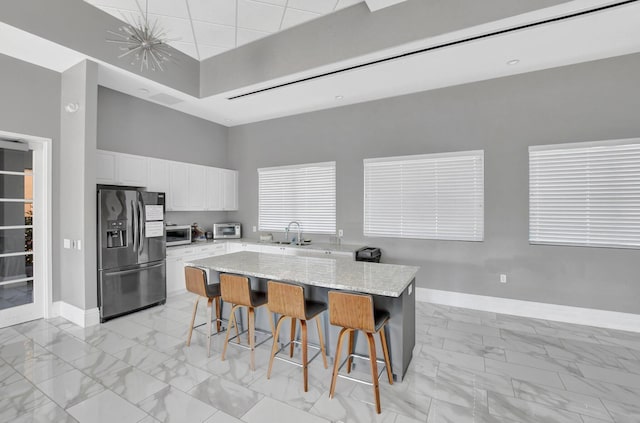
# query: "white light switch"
78,245
67,243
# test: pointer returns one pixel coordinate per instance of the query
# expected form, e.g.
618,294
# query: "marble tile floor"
468,366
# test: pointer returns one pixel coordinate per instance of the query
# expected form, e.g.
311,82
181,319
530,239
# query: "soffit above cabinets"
205,28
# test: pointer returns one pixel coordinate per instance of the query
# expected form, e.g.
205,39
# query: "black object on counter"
370,254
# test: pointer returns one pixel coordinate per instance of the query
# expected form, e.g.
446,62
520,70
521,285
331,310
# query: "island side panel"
400,329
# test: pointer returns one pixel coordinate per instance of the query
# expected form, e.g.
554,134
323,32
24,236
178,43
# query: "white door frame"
42,229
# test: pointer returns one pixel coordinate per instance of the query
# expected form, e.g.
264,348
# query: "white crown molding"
560,313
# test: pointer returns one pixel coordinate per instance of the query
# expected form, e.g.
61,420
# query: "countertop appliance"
178,235
131,251
227,230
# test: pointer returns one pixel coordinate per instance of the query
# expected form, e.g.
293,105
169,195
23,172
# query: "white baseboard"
82,318
560,313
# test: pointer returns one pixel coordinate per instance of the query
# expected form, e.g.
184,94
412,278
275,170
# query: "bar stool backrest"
196,280
286,299
354,311
235,289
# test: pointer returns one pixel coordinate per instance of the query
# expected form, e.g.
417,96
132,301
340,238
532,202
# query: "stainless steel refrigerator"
131,251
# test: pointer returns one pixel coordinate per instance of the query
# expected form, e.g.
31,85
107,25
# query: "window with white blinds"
431,196
585,194
303,193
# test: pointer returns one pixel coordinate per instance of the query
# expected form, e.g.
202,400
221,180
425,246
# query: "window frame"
442,226
594,231
302,214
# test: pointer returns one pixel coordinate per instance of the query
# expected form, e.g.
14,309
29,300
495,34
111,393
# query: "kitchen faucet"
298,240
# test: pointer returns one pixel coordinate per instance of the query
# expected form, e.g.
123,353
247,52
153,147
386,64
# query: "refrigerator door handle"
137,270
134,212
141,225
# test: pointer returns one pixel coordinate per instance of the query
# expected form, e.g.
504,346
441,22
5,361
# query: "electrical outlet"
67,243
503,278
340,233
254,229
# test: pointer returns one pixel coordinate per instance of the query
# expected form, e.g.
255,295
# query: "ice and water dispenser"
116,233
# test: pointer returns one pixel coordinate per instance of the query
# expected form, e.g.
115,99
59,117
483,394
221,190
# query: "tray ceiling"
205,28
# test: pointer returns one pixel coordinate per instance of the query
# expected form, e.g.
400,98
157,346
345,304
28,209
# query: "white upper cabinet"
196,187
188,187
178,198
106,167
230,189
222,189
132,170
213,184
158,177
121,169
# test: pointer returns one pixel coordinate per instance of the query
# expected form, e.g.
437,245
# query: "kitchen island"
392,287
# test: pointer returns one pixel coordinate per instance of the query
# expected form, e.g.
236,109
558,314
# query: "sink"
290,243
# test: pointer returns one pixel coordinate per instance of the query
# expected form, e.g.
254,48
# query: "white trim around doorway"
43,224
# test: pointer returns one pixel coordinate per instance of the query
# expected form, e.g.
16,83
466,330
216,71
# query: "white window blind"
304,193
432,196
585,194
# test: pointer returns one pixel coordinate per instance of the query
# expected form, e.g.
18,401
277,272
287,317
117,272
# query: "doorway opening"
25,230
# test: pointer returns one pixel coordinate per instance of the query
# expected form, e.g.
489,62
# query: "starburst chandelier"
143,42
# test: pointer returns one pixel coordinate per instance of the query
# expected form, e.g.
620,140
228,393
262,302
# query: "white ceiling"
604,34
204,28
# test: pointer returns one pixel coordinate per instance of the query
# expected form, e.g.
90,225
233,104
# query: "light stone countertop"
347,248
323,246
337,273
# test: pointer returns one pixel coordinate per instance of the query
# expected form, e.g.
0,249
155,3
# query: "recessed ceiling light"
339,97
513,62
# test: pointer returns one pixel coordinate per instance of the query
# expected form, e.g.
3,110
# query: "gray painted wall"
30,105
129,125
591,101
77,185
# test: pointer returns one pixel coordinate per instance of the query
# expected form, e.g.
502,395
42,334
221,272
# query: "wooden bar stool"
196,282
355,312
288,301
236,290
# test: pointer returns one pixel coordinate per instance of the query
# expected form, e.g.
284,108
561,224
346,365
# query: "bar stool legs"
196,282
385,352
250,333
372,359
288,300
353,312
304,345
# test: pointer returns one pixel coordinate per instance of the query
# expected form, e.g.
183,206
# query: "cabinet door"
230,189
132,170
289,251
213,188
106,167
179,183
271,249
234,247
196,187
158,178
175,275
